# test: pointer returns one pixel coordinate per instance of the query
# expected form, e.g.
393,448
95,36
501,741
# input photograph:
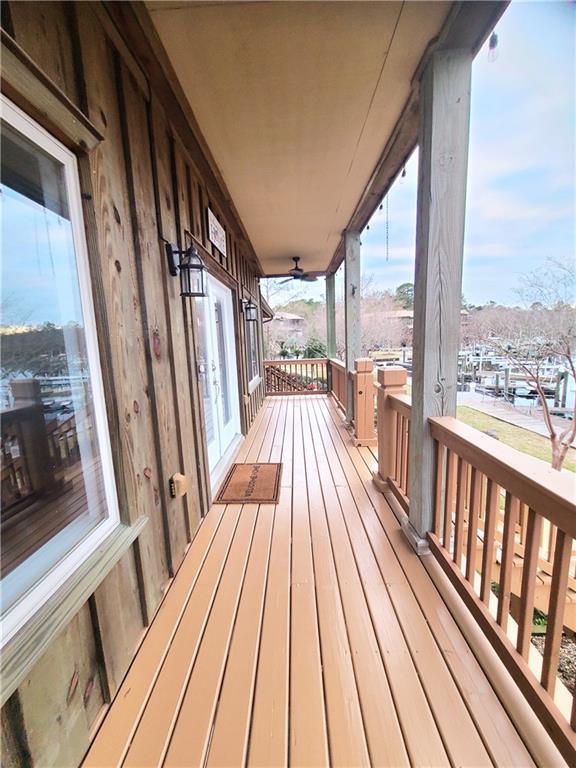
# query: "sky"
521,205
38,272
521,184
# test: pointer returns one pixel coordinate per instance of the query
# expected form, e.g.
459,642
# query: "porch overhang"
309,110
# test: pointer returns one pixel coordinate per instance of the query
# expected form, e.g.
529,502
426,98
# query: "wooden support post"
557,390
330,317
443,163
364,432
352,312
564,389
28,415
391,381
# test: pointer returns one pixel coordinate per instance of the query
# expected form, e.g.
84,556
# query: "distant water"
530,403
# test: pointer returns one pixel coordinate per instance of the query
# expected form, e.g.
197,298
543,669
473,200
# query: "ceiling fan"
297,273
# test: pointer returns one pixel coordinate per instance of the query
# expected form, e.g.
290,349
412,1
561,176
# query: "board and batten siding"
143,182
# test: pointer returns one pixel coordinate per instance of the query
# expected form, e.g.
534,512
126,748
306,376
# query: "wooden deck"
306,633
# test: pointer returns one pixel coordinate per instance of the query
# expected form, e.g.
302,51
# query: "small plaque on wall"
216,233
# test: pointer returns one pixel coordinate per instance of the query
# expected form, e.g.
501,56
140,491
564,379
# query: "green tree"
405,295
314,348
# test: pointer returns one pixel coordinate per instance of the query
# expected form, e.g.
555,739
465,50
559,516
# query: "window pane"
205,372
252,349
225,392
52,480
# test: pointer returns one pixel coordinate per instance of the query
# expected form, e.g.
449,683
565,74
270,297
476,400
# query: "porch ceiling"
296,102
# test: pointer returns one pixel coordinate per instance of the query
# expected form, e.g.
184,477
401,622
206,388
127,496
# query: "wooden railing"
399,478
322,376
393,429
303,377
338,382
504,533
499,516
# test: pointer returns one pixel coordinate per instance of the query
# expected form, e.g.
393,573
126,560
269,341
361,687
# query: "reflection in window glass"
224,386
52,480
252,350
204,371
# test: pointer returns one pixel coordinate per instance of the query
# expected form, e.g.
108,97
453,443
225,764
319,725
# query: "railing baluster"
298,376
398,451
460,507
449,498
406,457
558,588
551,542
403,452
530,566
492,496
511,510
399,448
523,521
439,460
483,499
473,514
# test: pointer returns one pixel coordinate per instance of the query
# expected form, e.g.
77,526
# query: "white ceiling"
296,101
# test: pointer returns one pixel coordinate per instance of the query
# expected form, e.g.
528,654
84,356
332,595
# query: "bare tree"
382,325
537,336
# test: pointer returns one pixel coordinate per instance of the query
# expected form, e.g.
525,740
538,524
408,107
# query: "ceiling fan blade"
309,278
286,281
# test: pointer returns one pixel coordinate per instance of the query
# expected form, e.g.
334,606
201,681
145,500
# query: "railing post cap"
392,376
363,365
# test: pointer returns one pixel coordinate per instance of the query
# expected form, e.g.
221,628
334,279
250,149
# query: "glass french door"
218,371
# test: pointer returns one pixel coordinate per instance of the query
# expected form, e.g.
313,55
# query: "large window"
252,353
58,494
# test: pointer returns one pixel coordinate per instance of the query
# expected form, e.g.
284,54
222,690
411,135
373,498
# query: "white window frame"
48,583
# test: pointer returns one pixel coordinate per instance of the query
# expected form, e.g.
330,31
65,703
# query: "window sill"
23,650
253,385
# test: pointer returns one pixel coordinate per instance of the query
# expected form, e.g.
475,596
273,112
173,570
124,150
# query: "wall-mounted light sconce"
191,267
250,311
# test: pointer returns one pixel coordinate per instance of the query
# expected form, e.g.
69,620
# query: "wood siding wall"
141,184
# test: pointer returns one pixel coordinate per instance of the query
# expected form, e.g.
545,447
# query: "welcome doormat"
251,484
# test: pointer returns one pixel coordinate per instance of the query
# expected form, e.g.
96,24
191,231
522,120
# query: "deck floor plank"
444,698
423,740
229,741
113,740
270,719
308,728
383,732
155,725
305,633
497,731
192,730
229,744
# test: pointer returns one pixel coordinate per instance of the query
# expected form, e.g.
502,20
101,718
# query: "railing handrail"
400,403
294,360
337,363
548,492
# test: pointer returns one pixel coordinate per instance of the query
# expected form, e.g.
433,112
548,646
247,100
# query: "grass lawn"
517,437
